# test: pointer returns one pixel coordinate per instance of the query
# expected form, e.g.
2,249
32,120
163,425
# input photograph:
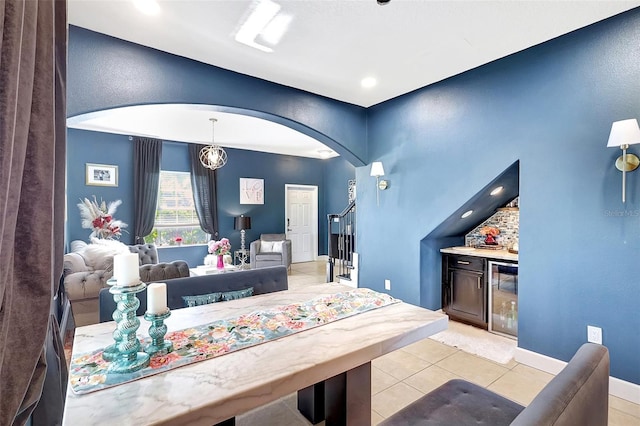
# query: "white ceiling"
331,45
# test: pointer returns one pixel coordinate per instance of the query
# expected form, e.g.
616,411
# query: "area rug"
476,341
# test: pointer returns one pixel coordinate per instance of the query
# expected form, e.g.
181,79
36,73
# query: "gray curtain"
203,184
32,160
147,157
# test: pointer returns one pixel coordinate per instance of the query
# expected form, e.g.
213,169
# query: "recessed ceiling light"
368,82
467,214
148,7
497,190
325,153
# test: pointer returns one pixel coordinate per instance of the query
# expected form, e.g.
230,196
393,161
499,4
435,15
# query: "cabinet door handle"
463,262
479,285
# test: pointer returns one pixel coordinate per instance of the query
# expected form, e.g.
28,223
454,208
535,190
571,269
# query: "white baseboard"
617,387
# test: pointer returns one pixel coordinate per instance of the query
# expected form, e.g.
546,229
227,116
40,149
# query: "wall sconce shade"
625,133
377,170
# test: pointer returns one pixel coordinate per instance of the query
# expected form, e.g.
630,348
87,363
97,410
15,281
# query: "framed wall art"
251,191
102,175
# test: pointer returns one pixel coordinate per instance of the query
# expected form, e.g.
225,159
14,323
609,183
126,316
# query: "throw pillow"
266,246
99,254
277,246
238,294
203,299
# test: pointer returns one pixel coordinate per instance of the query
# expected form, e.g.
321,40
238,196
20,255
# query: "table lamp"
242,223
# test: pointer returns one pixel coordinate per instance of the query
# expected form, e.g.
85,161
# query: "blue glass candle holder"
125,355
157,331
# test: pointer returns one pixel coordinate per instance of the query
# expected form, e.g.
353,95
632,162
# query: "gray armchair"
270,250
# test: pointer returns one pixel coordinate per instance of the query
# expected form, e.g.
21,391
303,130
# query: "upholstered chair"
270,250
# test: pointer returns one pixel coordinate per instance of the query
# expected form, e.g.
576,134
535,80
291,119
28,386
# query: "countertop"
488,253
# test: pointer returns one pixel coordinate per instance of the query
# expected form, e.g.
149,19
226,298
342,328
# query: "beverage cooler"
503,298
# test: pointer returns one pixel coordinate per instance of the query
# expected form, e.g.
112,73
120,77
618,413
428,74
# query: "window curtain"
203,184
32,168
146,171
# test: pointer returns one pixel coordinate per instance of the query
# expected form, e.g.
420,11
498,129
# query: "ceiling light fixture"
213,156
467,214
368,82
325,153
148,7
265,22
497,190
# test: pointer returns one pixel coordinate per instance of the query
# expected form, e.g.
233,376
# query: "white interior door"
302,221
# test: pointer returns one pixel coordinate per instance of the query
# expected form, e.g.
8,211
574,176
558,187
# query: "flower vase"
220,264
490,240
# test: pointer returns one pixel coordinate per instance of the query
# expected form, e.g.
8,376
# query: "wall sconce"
377,170
625,133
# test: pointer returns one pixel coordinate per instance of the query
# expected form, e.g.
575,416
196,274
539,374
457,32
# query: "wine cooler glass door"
503,298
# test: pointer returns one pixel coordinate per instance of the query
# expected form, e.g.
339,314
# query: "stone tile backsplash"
507,221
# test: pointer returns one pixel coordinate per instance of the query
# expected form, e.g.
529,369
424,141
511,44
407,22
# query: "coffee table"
209,270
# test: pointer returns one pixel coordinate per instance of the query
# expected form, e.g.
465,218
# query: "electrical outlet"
387,284
594,334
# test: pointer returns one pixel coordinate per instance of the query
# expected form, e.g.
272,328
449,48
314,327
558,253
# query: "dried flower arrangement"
99,218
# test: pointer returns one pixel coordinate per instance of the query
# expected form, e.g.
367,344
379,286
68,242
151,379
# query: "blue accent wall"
551,107
99,148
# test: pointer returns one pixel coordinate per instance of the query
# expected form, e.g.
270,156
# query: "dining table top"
211,391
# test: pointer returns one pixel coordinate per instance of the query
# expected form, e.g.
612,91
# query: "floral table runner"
89,372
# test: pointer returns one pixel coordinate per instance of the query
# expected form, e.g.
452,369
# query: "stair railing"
341,231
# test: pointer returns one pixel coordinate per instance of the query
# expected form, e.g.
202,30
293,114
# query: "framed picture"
102,175
251,191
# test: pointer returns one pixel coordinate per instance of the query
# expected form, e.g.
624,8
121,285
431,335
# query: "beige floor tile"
375,418
430,350
394,399
624,406
274,414
400,364
618,418
381,380
521,384
430,378
473,368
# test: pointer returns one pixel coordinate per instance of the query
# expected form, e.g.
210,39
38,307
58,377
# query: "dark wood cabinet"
464,288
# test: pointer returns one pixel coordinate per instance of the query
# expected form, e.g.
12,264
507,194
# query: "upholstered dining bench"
578,395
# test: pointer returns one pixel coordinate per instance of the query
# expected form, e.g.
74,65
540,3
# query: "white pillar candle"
126,270
157,298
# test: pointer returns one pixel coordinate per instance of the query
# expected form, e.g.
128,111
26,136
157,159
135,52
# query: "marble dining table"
213,391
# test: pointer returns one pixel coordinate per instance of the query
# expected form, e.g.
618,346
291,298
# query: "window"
176,219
